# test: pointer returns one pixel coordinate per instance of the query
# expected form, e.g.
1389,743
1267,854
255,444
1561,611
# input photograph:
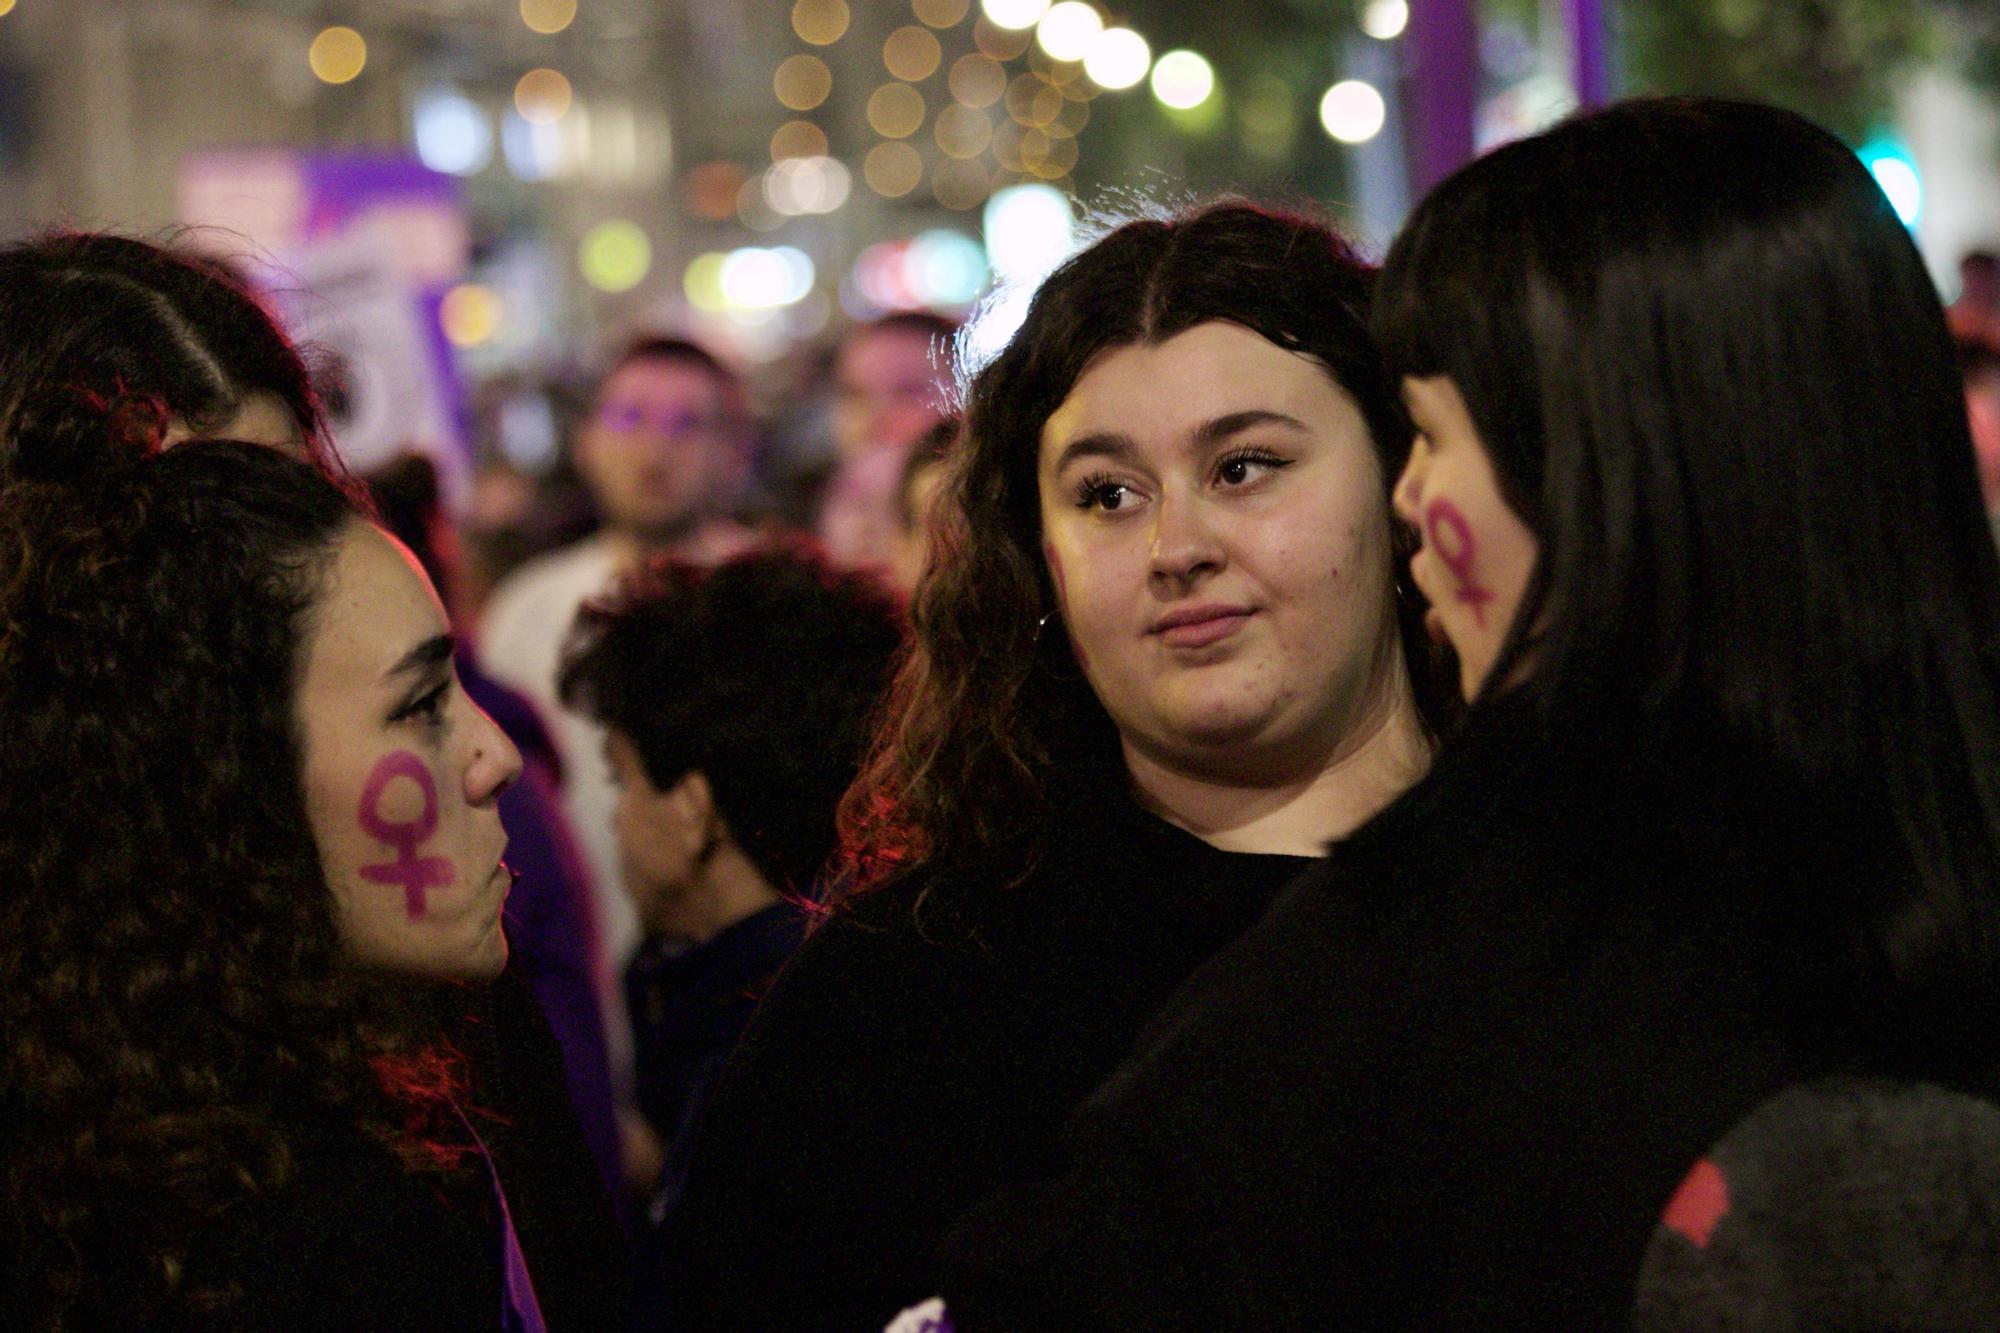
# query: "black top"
688,1010
1450,1081
357,1241
914,1056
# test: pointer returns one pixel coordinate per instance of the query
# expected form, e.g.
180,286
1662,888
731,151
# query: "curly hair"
173,1002
762,673
114,316
992,728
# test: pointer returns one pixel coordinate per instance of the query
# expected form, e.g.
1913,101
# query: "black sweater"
911,1059
1450,1081
356,1241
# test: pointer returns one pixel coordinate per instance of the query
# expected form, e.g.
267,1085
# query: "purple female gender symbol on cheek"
1443,517
415,873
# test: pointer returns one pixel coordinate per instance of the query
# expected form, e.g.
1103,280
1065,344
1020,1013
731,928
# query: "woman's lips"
1202,630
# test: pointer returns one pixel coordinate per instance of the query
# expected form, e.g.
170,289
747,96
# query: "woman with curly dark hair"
245,804
1158,665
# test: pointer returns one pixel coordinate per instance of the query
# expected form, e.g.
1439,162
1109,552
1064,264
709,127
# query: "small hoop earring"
1041,624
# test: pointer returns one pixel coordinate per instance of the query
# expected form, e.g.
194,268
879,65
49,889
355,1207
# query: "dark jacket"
357,1241
920,1050
1454,1076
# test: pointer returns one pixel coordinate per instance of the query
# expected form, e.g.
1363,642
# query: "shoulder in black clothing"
920,1050
1448,1082
356,1241
576,1251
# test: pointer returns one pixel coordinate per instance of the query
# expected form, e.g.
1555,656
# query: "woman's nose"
496,763
1409,486
1184,542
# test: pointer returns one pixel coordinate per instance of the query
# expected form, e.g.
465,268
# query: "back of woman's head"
168,949
991,708
762,673
1714,380
91,321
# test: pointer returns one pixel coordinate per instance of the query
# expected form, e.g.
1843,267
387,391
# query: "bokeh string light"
820,22
548,16
337,55
543,96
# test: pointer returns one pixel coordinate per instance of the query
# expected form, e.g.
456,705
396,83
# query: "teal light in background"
1896,172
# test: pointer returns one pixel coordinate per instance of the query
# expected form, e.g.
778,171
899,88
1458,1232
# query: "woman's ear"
692,800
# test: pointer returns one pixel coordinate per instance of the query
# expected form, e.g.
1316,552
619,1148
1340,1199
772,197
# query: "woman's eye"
1101,493
1238,469
429,708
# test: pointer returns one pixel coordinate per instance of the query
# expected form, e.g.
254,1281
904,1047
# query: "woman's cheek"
1056,576
398,811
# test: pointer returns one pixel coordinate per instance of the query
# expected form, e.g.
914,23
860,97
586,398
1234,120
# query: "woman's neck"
1301,807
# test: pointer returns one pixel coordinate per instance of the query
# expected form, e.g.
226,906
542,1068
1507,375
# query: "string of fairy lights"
969,101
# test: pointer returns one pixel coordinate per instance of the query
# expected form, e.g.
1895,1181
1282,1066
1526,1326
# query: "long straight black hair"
1714,379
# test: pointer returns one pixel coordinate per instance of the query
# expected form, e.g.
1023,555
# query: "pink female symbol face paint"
416,874
1450,536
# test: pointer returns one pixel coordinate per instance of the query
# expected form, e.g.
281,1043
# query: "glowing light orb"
1028,231
452,133
1384,20
912,54
1068,29
470,314
543,96
1014,13
337,55
1117,58
802,82
615,255
1183,80
820,22
1899,181
1352,111
548,16
892,169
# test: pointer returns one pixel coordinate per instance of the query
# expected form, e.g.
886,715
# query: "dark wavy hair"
992,727
1714,378
174,1011
113,317
762,673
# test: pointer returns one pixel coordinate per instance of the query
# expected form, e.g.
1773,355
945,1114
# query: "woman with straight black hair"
1680,973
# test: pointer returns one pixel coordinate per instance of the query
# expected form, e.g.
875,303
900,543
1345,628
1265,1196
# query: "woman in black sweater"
1158,664
1701,521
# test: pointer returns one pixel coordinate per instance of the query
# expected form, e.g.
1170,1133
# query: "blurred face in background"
888,391
661,448
664,841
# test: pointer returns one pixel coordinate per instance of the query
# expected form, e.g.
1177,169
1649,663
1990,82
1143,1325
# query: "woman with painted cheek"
1159,662
1671,996
402,772
251,826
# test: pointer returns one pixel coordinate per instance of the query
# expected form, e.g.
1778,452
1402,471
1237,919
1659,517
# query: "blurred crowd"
1462,792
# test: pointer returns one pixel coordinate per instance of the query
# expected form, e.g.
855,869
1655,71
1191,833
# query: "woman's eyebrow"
1111,444
428,655
1099,444
1221,428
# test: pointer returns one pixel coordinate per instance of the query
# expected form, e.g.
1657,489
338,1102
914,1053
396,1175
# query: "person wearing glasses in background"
664,450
